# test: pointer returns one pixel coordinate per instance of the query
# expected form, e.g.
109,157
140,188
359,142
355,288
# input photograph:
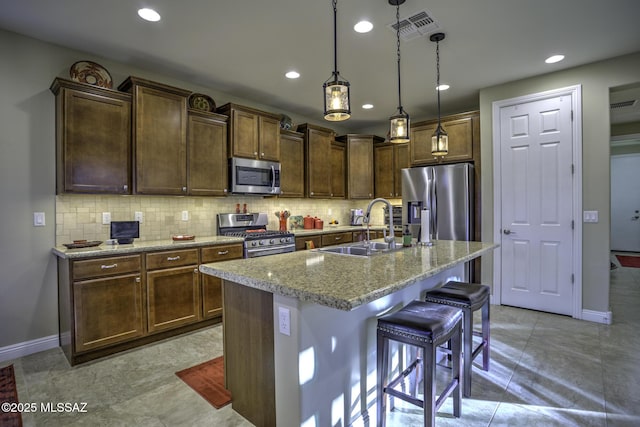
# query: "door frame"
575,92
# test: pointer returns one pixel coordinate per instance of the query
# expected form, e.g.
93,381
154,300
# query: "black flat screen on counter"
125,231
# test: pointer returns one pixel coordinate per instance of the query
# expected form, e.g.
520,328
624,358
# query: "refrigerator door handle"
434,205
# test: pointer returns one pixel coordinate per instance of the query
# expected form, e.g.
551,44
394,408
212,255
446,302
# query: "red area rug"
208,380
9,394
629,261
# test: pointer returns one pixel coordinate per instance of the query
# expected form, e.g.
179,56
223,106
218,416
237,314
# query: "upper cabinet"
464,139
206,154
360,164
317,160
389,160
93,139
253,134
338,170
292,164
159,136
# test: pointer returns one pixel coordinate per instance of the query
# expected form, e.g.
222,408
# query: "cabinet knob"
137,280
184,188
224,191
255,153
195,271
262,155
125,187
311,193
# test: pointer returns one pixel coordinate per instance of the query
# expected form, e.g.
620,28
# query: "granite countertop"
345,282
142,246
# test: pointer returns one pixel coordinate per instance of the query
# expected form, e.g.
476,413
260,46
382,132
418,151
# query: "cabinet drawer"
170,259
301,242
105,266
221,253
336,238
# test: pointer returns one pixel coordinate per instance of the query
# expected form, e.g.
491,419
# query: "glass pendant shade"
439,142
399,131
336,100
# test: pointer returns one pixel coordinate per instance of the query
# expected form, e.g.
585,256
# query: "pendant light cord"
438,79
335,39
398,52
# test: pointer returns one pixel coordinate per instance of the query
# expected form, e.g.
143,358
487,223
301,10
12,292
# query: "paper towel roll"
425,234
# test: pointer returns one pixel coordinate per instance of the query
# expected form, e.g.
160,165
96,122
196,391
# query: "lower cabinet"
173,294
110,304
212,286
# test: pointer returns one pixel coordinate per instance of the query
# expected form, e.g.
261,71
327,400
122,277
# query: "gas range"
252,227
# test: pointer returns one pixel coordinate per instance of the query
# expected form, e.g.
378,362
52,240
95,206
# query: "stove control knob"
253,243
261,242
272,241
283,239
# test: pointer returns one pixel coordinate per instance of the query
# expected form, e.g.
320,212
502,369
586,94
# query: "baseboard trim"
28,347
603,317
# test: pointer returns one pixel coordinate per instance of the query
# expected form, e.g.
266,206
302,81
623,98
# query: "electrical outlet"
138,216
329,211
185,215
106,218
284,321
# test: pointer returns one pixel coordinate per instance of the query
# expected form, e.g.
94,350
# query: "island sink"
361,249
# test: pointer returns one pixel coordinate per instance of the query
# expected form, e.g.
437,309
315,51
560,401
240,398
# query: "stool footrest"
452,385
404,396
404,374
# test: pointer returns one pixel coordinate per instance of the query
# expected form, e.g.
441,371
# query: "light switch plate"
38,219
590,216
106,218
138,216
185,215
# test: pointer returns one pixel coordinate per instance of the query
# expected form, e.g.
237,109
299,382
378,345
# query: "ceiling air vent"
417,25
623,104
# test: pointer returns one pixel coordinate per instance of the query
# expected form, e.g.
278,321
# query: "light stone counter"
334,229
345,282
143,246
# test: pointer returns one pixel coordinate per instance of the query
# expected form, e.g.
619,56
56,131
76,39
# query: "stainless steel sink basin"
360,249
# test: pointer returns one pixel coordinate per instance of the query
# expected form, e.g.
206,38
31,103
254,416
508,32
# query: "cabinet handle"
223,252
195,271
137,280
105,267
338,238
255,153
173,258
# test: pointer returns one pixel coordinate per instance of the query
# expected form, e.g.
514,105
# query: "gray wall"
28,283
596,79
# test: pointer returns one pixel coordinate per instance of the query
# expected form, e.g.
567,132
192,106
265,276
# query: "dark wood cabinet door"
160,141
269,138
338,171
107,311
292,164
360,167
173,298
244,142
384,171
461,140
212,286
207,156
93,138
400,161
421,144
318,170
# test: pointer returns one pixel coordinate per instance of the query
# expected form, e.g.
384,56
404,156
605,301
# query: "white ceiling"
244,47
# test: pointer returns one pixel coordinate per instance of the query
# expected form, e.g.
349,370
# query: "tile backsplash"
80,216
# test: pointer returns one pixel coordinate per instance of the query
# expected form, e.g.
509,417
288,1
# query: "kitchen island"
299,328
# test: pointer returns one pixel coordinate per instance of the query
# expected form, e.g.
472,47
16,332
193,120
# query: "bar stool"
426,326
470,297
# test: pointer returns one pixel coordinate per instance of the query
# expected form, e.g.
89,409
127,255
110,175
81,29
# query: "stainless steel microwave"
249,176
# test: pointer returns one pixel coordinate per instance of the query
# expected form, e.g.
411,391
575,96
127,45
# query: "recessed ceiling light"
292,74
149,15
553,59
443,87
363,27
367,106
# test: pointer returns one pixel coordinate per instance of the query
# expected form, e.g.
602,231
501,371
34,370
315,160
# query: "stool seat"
426,320
469,297
460,294
426,326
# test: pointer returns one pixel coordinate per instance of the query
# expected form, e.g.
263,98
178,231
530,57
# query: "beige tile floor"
547,370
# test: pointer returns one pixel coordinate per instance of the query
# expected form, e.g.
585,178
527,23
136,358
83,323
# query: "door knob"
507,231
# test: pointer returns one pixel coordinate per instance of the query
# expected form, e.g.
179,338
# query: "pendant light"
337,105
440,139
399,130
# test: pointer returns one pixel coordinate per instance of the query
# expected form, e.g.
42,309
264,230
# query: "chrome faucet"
391,238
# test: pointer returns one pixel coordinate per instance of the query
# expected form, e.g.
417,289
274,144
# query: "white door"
537,199
625,203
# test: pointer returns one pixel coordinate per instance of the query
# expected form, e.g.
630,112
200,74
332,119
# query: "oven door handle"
271,250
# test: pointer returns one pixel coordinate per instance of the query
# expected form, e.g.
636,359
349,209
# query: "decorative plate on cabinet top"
91,73
182,237
199,101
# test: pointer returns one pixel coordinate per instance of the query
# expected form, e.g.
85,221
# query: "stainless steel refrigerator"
447,192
